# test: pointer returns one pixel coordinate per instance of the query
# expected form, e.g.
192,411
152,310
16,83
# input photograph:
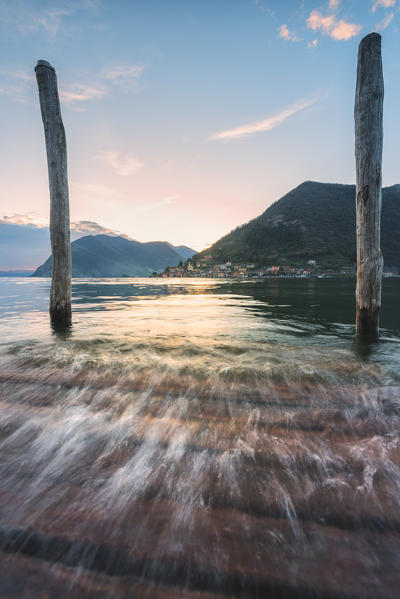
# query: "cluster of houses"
228,270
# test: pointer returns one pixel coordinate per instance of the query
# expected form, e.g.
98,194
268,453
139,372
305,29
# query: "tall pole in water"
60,294
368,116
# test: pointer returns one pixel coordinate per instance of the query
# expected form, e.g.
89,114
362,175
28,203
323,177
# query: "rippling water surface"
198,439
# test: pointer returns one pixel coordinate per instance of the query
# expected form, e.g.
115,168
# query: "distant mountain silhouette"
314,221
110,256
16,273
183,251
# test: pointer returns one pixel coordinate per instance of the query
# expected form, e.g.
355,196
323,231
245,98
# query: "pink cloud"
345,31
338,30
287,35
317,21
266,124
385,22
29,218
383,4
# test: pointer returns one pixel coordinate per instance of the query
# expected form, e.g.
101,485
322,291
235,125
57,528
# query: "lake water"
198,439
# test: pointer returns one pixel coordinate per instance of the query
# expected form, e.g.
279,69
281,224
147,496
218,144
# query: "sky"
186,118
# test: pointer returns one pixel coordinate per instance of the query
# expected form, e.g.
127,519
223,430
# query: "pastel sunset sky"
186,118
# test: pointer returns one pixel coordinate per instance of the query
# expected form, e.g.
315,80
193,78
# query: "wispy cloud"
118,72
312,44
266,124
96,192
383,4
126,76
32,17
334,4
289,36
381,26
18,74
17,83
265,9
20,84
167,201
337,29
29,218
78,228
122,165
80,93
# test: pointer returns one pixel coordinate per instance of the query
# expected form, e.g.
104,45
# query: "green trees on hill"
314,221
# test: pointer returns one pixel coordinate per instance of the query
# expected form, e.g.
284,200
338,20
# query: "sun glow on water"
178,424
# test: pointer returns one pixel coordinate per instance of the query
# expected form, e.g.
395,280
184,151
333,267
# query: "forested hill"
314,221
111,256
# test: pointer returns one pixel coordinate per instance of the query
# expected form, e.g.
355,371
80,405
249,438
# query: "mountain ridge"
313,221
117,256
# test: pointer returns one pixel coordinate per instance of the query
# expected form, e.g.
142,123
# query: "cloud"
126,76
18,84
89,227
266,124
25,239
29,218
167,201
123,166
312,44
345,31
21,85
265,9
78,228
381,26
338,30
120,72
333,4
317,21
31,19
78,92
34,17
97,193
383,4
287,35
18,74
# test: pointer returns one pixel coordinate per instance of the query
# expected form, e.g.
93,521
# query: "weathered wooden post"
368,116
60,294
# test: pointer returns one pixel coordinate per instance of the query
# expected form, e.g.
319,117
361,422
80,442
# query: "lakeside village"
228,270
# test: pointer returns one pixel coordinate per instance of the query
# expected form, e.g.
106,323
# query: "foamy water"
191,438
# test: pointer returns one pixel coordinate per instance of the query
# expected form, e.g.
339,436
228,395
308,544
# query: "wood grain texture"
60,294
368,116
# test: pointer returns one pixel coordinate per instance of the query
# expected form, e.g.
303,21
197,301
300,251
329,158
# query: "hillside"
313,221
109,256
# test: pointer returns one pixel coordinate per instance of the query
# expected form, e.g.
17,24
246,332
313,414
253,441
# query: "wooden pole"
368,116
60,294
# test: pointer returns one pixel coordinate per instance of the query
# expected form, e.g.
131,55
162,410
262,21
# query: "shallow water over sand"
199,439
